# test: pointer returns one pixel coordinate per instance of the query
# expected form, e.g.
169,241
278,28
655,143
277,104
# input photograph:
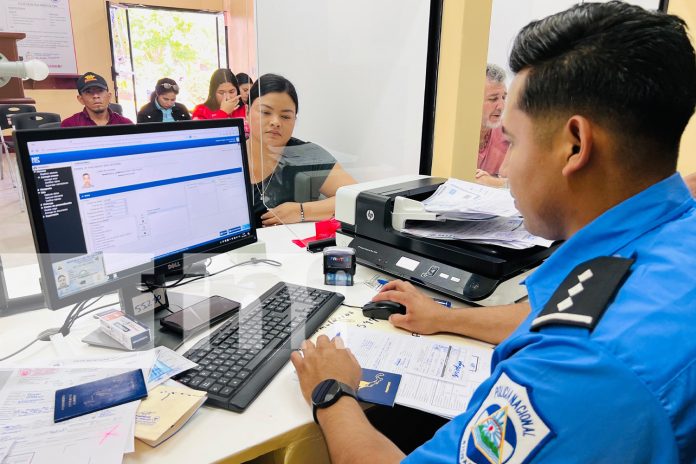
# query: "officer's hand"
229,105
423,315
285,213
329,359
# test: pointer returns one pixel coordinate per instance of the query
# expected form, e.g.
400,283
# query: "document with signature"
436,377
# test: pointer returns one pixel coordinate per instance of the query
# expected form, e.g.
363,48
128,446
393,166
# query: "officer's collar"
610,232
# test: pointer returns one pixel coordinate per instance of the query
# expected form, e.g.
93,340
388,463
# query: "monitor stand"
148,308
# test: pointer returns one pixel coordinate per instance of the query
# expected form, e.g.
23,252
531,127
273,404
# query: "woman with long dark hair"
163,106
224,99
245,82
277,160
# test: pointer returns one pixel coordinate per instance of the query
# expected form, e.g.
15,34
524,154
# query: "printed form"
437,377
27,431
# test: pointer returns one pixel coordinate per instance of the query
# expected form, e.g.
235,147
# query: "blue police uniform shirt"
623,392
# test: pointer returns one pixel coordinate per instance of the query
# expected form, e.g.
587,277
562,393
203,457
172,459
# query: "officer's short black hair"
627,68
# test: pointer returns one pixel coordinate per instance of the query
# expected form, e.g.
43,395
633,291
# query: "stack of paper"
26,420
474,213
165,411
28,433
457,199
506,232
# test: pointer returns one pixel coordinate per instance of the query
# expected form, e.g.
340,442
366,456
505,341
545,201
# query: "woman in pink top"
224,99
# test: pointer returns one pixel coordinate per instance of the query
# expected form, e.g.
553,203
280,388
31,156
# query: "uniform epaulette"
585,293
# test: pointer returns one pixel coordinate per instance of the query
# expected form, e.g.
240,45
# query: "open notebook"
165,411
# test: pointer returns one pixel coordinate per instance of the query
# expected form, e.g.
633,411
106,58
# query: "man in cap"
93,93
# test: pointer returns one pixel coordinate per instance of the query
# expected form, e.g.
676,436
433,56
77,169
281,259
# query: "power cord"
75,313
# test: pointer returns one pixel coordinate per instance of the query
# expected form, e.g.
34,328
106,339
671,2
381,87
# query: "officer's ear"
577,141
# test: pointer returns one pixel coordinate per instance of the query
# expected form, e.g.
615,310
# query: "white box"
128,332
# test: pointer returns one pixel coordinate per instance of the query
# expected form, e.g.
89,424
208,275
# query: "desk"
279,415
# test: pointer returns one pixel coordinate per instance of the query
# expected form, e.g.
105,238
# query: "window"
149,43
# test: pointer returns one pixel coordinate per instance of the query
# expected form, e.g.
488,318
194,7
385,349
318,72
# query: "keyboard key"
216,387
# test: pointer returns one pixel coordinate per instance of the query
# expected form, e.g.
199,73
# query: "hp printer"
372,217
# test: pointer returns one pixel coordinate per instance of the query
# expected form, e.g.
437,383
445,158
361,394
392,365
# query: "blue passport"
94,396
378,387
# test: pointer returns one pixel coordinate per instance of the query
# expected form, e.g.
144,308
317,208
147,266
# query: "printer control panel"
423,271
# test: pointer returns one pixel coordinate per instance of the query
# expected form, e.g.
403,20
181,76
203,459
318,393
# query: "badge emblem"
505,429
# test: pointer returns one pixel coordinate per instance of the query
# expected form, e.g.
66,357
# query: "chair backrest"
8,110
116,108
33,120
50,125
307,185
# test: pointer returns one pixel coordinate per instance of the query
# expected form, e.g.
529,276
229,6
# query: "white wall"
509,16
359,70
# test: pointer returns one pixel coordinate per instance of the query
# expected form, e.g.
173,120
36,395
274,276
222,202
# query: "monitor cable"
75,313
180,283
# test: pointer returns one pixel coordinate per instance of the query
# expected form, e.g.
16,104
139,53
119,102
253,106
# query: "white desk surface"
214,434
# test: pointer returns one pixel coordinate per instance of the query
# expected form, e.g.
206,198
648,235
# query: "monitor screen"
113,202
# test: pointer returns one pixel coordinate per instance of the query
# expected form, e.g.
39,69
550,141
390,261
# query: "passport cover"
378,387
101,394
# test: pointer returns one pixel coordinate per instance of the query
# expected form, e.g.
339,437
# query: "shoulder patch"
585,293
505,429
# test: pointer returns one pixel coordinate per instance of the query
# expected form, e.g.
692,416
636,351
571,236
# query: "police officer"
603,367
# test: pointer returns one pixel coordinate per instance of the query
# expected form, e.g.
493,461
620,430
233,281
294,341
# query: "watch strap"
345,390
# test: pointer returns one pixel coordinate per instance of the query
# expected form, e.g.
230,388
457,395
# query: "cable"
19,350
77,311
73,315
351,306
93,310
179,283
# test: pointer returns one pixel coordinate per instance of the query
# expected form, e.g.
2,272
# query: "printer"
372,215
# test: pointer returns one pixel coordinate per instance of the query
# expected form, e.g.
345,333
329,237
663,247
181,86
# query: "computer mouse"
383,309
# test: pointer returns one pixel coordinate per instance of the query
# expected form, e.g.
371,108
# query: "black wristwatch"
327,393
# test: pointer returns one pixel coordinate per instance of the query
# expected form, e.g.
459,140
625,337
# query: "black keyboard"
238,359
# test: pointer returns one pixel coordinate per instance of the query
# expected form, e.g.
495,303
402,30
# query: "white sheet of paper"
167,364
436,377
5,449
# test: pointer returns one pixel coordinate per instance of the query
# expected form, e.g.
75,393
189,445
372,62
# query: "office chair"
6,112
33,120
116,108
29,121
50,125
307,185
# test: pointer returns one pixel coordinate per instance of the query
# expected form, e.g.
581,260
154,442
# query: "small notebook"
165,411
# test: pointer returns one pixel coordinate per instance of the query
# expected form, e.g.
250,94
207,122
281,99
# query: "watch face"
326,392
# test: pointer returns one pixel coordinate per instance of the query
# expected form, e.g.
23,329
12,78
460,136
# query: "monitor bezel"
49,288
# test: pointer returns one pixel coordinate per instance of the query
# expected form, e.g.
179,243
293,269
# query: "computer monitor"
109,204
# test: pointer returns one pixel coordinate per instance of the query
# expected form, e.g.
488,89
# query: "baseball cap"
91,79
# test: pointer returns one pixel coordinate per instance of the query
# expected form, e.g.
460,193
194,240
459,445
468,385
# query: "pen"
382,281
445,303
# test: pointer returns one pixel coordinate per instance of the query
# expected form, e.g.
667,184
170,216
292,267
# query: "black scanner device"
383,309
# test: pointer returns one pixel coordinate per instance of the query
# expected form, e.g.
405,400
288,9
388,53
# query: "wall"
91,36
461,76
359,68
687,156
241,36
509,16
